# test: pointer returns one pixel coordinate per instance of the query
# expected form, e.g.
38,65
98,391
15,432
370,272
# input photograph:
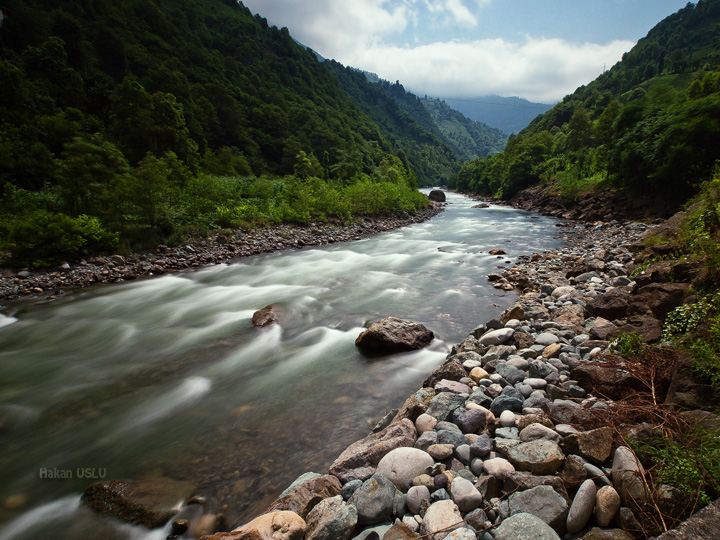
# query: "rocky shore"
510,437
195,254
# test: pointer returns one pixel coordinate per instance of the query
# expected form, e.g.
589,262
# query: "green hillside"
128,123
403,118
468,138
649,125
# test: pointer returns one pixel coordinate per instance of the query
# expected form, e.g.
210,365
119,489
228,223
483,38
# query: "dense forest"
124,124
649,125
469,139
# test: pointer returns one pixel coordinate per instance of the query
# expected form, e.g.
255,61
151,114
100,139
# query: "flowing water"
168,377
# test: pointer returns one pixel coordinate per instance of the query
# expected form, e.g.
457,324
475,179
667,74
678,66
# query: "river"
167,376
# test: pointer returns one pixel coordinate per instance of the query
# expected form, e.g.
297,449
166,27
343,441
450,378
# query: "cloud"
541,70
365,34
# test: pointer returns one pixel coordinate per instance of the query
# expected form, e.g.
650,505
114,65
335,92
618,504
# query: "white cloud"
358,33
542,70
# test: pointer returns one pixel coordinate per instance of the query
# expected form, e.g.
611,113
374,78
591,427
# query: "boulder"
594,445
515,312
415,405
627,476
572,316
498,467
283,525
441,516
465,495
331,519
661,298
401,465
496,337
443,404
392,335
602,329
148,501
538,457
524,526
451,371
437,195
646,326
607,381
308,494
360,459
582,507
267,316
614,304
418,499
374,500
543,502
522,481
607,503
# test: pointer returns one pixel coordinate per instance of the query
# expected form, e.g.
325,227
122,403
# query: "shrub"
43,238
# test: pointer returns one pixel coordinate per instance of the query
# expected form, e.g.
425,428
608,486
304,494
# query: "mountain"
508,114
649,125
404,119
470,139
131,123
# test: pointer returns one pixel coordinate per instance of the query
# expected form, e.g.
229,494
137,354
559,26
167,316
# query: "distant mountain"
470,139
508,114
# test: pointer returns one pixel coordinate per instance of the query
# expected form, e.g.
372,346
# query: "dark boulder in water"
391,335
437,195
266,316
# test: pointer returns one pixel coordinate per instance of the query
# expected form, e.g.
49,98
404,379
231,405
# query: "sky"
540,50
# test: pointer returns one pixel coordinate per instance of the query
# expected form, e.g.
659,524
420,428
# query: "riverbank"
523,428
47,284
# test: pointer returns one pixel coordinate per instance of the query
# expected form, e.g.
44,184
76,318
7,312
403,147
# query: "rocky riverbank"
196,254
511,437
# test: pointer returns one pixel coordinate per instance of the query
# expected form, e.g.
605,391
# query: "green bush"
43,238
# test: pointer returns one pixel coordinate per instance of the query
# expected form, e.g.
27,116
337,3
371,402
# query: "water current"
167,376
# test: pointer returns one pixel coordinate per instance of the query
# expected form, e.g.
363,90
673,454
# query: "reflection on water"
168,376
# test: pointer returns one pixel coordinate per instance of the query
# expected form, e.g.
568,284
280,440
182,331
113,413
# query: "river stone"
543,502
627,475
426,440
481,446
299,481
373,533
331,519
149,501
552,351
424,423
498,467
465,495
437,195
391,335
496,337
522,481
506,403
451,371
546,338
455,387
446,436
514,312
461,534
477,374
534,432
350,488
374,500
306,495
440,452
602,329
594,445
415,405
442,516
360,459
418,499
538,457
573,473
607,503
267,316
401,465
443,404
282,525
525,526
469,420
402,530
582,507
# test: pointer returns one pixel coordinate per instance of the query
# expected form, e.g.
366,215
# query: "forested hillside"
128,123
469,139
403,118
649,125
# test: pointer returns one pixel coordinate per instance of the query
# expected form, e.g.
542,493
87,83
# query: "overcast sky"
540,50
